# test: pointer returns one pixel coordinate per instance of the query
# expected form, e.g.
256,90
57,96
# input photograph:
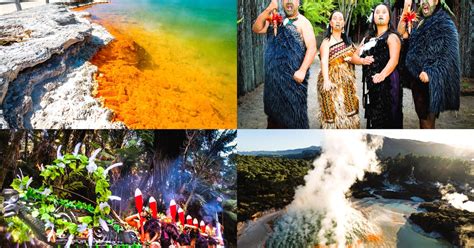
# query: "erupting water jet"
320,213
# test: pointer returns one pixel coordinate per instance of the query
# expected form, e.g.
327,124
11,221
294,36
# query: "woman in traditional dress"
337,97
379,54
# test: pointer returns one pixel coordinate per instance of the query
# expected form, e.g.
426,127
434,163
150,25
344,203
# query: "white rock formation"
46,80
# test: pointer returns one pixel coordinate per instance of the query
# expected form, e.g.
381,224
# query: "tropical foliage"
192,167
317,12
68,170
354,12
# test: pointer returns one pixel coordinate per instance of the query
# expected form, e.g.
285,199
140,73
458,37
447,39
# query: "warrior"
185,238
169,233
290,50
433,61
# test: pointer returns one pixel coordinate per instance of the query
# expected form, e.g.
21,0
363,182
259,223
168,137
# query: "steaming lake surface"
392,217
172,64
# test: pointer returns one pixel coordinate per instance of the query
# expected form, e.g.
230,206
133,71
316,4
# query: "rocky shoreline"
46,80
436,216
455,225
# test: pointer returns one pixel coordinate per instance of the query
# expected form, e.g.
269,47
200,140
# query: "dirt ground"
252,116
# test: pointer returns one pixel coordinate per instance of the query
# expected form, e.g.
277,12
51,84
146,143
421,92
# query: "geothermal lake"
391,216
172,65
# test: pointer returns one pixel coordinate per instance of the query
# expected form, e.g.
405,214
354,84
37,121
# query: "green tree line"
265,182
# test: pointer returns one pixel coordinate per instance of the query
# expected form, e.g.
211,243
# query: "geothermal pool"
173,63
391,216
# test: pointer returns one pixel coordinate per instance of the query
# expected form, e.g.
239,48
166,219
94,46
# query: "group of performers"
422,55
158,230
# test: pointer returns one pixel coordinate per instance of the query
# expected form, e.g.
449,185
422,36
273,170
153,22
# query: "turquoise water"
392,217
204,24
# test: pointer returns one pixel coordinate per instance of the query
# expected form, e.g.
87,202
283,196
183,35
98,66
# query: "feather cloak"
434,48
285,100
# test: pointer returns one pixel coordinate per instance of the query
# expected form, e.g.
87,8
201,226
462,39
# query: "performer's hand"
328,85
348,59
424,77
299,76
403,25
377,78
368,60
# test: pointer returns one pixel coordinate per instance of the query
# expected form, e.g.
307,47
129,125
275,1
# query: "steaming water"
321,215
384,223
391,216
346,157
303,229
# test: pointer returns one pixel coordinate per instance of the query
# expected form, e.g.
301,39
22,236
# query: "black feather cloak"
285,100
434,48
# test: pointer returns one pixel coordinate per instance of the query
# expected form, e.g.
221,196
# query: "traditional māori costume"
433,47
285,100
340,105
382,101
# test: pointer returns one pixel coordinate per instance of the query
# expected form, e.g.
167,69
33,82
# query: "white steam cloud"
459,201
321,213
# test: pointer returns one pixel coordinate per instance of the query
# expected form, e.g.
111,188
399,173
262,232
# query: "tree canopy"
190,166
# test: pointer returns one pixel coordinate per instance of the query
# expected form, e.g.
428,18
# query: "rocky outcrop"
404,191
455,225
78,1
52,30
416,176
435,216
46,80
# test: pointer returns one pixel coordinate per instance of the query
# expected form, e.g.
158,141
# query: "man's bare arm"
401,28
260,25
310,43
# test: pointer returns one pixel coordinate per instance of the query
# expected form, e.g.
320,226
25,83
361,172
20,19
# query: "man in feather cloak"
290,50
433,62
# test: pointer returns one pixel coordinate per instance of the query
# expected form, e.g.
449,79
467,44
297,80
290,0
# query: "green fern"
317,12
